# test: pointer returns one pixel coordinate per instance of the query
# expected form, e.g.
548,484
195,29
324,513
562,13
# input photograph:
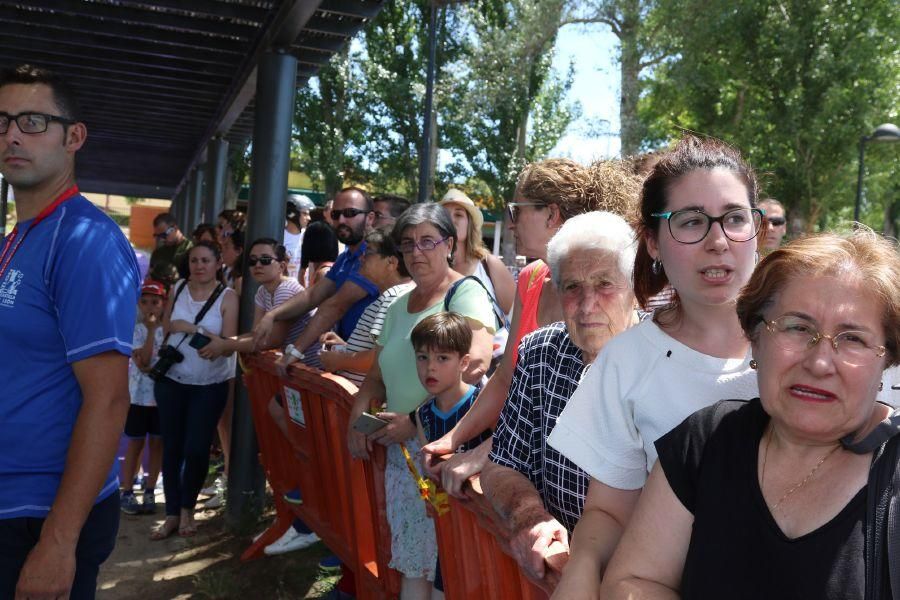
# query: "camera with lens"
168,356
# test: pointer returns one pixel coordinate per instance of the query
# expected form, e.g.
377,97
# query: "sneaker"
148,506
290,541
330,565
130,505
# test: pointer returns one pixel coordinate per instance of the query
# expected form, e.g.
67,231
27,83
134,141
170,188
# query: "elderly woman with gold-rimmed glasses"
771,497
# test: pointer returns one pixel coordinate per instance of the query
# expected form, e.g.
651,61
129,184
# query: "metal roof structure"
157,79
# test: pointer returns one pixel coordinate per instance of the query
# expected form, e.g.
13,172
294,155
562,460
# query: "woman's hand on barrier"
531,538
331,361
432,453
459,467
329,339
262,330
399,429
359,444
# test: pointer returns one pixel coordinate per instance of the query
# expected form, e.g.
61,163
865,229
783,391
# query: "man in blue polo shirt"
68,295
343,294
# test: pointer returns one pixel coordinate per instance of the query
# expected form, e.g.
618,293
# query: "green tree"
792,83
328,123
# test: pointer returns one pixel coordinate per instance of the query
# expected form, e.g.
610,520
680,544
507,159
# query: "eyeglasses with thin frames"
796,334
512,209
691,226
31,122
426,245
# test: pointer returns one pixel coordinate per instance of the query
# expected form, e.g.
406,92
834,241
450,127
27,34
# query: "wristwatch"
291,351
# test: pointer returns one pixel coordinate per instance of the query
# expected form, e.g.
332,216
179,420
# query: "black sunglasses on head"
348,213
263,260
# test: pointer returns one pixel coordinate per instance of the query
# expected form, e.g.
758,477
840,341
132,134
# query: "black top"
737,549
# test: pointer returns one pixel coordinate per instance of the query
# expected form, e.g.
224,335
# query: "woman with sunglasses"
776,225
548,193
697,231
426,238
268,264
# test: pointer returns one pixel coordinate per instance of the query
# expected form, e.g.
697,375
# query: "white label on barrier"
294,406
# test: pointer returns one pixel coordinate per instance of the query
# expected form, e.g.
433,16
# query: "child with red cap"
143,418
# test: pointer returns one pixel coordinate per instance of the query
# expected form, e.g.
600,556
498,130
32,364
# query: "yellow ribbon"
427,489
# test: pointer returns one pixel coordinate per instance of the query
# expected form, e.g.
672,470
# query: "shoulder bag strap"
502,321
174,300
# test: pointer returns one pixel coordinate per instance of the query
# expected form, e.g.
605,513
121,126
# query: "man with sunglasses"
776,227
168,263
343,294
69,288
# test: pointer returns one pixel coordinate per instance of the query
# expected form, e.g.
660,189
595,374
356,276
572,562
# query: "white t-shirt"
642,384
140,386
292,243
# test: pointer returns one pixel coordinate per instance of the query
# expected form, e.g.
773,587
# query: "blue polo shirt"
346,268
69,293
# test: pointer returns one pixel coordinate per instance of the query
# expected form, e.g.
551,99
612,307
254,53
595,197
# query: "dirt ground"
205,566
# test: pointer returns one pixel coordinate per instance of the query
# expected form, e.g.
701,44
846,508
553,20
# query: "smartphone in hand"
368,424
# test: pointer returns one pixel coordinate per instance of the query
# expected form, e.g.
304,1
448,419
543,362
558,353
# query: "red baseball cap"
154,288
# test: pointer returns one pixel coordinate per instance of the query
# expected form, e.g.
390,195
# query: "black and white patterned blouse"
548,370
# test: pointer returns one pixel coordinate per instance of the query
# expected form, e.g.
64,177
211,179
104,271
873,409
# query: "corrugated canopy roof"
157,79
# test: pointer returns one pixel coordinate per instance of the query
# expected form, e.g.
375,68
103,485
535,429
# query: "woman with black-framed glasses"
697,232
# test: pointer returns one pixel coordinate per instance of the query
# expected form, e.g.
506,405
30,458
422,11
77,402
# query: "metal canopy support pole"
196,195
217,166
4,205
275,91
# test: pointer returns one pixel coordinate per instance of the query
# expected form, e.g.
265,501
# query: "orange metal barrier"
474,552
343,498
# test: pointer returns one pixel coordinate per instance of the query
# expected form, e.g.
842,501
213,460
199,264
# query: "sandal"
167,529
187,530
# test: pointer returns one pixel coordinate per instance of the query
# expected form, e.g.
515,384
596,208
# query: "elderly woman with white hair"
536,489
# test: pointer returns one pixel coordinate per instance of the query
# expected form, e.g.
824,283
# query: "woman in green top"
426,237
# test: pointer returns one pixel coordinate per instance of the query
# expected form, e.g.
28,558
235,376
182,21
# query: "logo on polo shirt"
9,289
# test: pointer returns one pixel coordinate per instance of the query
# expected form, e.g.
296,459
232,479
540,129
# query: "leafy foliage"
792,83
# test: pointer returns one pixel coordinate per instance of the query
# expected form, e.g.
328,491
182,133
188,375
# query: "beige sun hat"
455,196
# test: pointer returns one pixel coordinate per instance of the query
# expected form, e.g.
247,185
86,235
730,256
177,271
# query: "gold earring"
753,364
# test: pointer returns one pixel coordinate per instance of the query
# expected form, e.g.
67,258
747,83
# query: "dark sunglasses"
348,213
263,260
164,234
777,221
513,208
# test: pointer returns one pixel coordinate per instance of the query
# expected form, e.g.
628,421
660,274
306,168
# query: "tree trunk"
630,69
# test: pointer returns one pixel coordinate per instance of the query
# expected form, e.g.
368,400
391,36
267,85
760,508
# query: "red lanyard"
9,250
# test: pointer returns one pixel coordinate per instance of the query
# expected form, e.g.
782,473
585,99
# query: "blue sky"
592,50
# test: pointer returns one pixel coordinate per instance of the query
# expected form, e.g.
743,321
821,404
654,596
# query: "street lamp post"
887,132
425,156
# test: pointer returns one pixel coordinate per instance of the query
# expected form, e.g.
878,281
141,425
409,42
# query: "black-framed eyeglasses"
264,260
691,226
164,234
796,334
348,213
776,221
512,209
426,245
31,122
